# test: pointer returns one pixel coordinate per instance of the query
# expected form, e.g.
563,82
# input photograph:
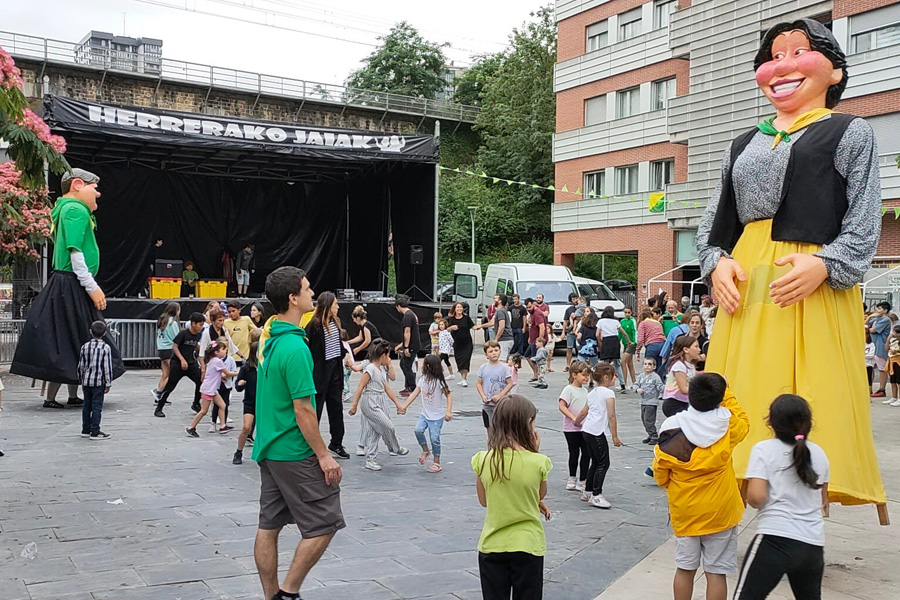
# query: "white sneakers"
450,376
570,484
888,401
464,383
360,451
213,428
599,501
372,465
402,451
895,403
586,496
579,486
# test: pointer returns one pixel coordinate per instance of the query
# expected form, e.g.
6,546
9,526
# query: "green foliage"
404,63
471,84
618,266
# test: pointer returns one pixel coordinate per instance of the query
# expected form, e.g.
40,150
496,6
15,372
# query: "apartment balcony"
570,8
873,71
629,132
598,213
620,57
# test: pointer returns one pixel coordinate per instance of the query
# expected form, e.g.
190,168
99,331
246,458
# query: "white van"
599,296
526,279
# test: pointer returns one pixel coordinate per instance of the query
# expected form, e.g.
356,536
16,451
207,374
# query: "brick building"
649,94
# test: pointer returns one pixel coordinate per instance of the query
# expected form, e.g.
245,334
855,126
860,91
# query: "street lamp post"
472,210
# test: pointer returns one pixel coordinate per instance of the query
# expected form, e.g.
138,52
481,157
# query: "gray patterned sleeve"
849,256
709,255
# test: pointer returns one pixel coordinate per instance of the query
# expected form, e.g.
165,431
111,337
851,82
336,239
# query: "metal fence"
166,69
136,338
628,298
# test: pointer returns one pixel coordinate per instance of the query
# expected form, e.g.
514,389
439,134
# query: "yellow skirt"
813,349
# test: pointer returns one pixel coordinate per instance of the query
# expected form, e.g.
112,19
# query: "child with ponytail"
788,482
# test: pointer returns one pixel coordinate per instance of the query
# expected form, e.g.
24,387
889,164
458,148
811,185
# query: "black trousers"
671,406
409,377
331,397
175,375
770,557
578,454
519,573
446,359
598,449
225,392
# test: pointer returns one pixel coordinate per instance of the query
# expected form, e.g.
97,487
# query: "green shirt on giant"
73,232
513,519
285,375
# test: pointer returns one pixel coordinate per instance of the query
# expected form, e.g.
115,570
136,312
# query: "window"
626,180
595,184
501,286
595,110
466,286
630,24
661,11
628,102
597,36
663,90
662,173
877,38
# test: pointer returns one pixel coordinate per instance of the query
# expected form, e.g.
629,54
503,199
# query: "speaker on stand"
416,259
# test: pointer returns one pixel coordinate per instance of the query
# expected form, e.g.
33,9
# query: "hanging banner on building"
202,130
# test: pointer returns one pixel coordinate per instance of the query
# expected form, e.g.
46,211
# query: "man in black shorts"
299,478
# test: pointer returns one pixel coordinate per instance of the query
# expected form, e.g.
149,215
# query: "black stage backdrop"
302,224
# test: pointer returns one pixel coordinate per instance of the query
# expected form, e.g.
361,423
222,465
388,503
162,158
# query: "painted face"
649,366
797,78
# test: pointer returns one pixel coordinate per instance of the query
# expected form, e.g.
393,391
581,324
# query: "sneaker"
464,383
338,452
895,403
249,440
372,465
570,484
360,451
646,440
225,429
191,431
75,402
391,453
586,496
648,472
653,441
879,394
85,434
159,413
155,393
579,487
450,376
212,428
888,401
402,451
238,458
100,436
599,501
541,386
52,404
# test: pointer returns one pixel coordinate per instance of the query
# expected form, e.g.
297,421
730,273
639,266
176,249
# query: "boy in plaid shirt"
95,374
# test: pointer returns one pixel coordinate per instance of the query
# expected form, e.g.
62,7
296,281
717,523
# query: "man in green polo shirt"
299,478
59,320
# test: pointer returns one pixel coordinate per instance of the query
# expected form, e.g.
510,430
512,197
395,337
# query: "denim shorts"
571,340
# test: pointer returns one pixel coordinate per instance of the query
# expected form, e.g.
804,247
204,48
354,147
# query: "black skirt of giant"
58,324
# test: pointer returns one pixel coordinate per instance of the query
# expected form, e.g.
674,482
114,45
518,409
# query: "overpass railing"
155,66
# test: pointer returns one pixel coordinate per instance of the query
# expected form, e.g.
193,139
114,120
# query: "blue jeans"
92,409
652,351
518,342
434,432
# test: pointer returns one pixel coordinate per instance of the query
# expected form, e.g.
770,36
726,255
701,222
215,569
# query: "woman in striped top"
650,335
324,331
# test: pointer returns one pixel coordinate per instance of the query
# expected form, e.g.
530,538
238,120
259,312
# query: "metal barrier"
10,330
136,338
628,298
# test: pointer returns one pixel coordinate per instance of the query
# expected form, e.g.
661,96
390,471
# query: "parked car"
619,285
599,296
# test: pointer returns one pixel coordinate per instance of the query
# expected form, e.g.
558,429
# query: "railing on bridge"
167,69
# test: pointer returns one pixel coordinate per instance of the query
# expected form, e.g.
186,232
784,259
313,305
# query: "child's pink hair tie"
799,437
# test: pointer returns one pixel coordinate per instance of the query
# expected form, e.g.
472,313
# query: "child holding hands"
598,423
214,375
433,388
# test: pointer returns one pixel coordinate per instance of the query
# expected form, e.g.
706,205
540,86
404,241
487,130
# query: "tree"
25,213
404,63
470,85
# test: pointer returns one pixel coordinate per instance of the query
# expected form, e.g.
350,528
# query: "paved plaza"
185,524
153,514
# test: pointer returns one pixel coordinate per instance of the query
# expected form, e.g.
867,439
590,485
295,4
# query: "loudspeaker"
416,255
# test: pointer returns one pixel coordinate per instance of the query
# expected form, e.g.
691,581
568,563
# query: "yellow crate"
165,287
207,288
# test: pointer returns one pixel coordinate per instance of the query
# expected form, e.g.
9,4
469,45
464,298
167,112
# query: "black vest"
813,197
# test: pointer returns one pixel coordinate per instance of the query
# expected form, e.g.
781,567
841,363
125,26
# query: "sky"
315,40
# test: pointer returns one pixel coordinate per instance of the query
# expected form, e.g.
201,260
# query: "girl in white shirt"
433,388
788,482
598,421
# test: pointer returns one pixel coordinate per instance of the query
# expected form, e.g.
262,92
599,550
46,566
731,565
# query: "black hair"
503,298
529,300
281,284
820,40
884,305
433,371
378,349
572,296
516,359
401,300
98,329
608,313
706,391
197,318
234,304
791,419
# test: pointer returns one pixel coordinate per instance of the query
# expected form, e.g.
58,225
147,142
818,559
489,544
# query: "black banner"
211,131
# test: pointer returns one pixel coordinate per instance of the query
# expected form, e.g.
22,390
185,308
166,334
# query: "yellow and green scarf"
804,120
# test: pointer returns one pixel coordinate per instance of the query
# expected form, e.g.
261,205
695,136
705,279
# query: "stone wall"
87,84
